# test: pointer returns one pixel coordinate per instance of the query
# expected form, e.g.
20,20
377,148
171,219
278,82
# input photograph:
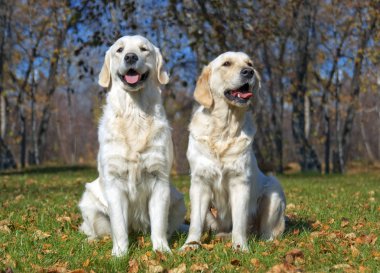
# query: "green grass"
333,221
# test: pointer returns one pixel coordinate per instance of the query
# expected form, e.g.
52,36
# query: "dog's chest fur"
132,144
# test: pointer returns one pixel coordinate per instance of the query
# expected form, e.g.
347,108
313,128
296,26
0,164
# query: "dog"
224,170
133,191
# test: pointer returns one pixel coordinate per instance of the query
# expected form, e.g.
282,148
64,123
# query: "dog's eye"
119,50
250,64
227,63
143,48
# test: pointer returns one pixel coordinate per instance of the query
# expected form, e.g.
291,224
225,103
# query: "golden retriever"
133,191
224,171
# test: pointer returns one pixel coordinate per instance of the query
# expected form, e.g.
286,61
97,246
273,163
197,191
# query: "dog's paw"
243,247
190,246
118,252
162,248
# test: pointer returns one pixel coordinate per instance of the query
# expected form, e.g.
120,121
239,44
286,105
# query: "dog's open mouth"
132,77
240,95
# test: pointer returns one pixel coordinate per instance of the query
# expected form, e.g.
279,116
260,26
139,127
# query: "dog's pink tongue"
132,79
242,95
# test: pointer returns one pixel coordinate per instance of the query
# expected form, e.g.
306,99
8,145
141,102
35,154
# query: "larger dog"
224,171
133,191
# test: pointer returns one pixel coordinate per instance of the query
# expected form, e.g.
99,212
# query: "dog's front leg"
239,193
158,211
118,213
200,196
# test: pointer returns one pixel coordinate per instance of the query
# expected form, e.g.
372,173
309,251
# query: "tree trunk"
35,158
6,157
309,158
338,160
51,86
355,83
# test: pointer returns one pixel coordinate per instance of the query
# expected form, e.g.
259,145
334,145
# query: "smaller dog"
224,170
133,191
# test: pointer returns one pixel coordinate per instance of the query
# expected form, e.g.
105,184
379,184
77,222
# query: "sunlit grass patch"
333,224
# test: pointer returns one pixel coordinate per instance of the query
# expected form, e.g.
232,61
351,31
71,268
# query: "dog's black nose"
247,73
131,58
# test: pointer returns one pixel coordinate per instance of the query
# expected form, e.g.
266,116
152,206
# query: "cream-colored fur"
133,191
224,170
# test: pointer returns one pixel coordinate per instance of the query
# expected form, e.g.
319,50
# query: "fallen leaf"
255,262
354,251
86,263
341,266
40,235
235,262
179,269
78,271
344,222
198,267
316,225
366,239
350,236
155,269
284,268
133,266
291,255
208,246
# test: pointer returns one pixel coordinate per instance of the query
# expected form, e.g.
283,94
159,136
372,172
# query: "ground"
333,226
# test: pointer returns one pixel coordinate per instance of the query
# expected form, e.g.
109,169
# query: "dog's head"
231,77
130,62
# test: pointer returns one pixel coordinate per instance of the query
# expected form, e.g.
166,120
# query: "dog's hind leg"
96,222
271,216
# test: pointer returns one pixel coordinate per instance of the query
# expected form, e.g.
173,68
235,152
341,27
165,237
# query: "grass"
333,226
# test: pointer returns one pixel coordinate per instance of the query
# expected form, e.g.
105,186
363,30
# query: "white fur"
224,170
133,191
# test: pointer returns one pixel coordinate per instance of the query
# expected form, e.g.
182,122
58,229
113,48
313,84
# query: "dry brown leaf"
63,219
40,235
155,269
341,266
198,267
354,251
291,255
179,269
316,225
255,262
133,266
19,197
78,271
363,269
86,263
284,268
208,246
5,229
350,236
344,222
366,239
235,262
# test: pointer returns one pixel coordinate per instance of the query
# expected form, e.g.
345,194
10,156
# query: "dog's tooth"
238,95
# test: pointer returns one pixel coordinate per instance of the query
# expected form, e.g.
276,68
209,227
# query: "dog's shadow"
296,226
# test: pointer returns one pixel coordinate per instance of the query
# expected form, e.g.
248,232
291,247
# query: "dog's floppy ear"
162,75
105,72
202,93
